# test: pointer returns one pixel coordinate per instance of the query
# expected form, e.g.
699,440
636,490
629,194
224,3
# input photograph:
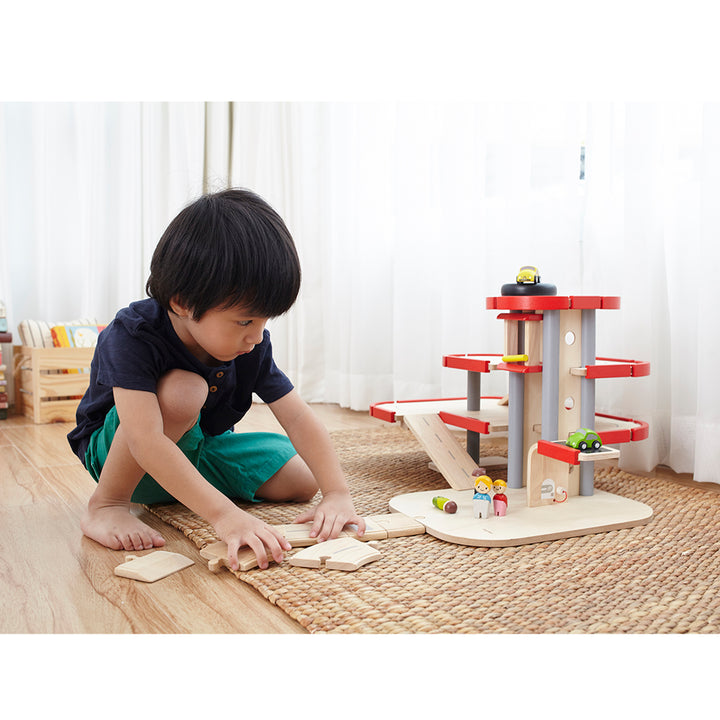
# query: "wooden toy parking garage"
552,368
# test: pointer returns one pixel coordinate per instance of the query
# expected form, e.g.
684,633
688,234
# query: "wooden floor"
54,580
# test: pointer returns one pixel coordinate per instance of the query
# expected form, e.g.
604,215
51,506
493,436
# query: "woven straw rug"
662,577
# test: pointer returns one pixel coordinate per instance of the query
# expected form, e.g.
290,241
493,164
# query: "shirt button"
213,388
219,374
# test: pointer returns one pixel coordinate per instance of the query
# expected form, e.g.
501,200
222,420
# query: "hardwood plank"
45,589
43,445
20,482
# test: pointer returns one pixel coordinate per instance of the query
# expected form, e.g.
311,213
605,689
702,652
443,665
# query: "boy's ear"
179,309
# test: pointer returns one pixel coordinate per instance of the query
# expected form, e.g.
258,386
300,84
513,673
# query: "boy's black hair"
224,250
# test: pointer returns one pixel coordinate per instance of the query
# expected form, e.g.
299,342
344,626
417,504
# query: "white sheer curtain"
406,216
650,234
86,190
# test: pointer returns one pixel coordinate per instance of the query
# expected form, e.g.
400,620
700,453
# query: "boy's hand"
331,515
238,528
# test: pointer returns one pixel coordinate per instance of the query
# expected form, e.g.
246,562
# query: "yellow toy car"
528,274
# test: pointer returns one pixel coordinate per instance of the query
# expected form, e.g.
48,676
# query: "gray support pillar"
550,374
587,396
516,412
473,404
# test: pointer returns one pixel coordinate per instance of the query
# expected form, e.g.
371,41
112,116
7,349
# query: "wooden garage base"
577,516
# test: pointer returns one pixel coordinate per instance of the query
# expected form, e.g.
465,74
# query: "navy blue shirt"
140,346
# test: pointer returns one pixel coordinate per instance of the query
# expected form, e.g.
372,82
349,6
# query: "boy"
172,375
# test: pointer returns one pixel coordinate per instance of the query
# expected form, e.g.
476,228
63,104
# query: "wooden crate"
49,382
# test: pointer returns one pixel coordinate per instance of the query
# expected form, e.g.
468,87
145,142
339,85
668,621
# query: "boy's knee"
292,483
305,487
181,395
301,483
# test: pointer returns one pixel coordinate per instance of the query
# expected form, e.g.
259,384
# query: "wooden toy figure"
481,498
500,501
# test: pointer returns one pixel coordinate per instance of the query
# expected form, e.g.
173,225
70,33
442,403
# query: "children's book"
80,336
60,336
84,335
76,335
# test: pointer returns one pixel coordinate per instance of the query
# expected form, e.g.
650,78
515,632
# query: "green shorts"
237,464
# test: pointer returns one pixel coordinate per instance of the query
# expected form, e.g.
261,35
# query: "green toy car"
584,440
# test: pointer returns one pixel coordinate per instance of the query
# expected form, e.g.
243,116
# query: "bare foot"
115,527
